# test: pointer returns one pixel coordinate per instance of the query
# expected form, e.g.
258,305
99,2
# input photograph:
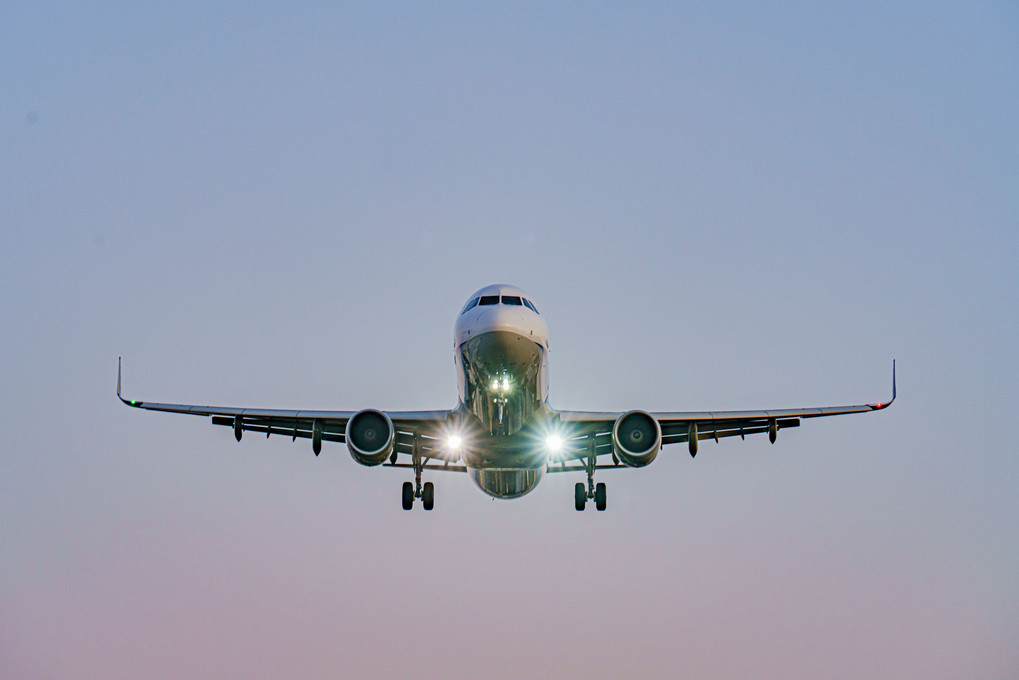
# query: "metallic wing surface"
691,427
320,426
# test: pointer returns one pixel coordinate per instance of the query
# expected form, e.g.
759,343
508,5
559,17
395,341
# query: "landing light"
554,443
454,442
501,385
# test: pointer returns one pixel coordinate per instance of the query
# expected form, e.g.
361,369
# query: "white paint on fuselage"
500,318
508,463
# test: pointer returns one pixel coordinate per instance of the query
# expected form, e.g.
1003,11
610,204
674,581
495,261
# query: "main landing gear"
584,492
426,491
426,494
580,496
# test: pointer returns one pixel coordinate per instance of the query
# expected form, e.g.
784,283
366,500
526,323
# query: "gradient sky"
716,207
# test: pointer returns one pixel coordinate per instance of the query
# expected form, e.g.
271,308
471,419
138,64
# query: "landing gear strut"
426,491
581,492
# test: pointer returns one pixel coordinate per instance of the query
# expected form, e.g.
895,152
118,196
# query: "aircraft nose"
500,318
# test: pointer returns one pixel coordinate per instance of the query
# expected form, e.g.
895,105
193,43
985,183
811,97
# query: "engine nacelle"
636,438
370,437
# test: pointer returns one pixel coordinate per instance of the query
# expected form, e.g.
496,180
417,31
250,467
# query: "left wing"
423,428
693,426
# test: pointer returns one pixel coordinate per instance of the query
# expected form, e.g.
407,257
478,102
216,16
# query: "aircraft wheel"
599,496
580,496
408,495
428,496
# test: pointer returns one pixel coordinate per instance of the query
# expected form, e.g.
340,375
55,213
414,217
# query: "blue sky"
717,206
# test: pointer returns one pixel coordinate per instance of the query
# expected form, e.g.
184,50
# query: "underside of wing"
414,432
588,432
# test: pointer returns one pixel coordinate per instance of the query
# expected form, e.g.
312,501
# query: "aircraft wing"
330,426
694,426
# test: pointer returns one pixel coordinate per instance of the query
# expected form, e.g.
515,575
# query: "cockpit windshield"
511,300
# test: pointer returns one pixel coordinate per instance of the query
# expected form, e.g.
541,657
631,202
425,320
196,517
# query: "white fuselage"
500,347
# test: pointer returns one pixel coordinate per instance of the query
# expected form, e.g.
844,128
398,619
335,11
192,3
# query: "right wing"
424,427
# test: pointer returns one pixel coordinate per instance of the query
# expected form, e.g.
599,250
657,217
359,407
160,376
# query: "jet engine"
636,438
370,437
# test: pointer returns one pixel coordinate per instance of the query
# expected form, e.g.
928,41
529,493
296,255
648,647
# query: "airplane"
503,432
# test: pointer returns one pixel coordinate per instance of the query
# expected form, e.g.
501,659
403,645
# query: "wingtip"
129,402
885,404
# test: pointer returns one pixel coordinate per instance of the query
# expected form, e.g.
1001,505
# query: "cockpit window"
530,306
469,306
511,300
489,300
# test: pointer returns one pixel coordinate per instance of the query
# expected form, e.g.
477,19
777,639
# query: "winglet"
129,402
893,381
878,406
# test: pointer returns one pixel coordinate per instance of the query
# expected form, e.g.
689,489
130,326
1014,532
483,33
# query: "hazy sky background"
716,207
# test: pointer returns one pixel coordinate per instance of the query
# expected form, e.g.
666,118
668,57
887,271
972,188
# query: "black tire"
599,496
408,495
580,496
428,496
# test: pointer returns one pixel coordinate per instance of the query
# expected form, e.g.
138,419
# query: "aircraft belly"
524,450
505,453
507,483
